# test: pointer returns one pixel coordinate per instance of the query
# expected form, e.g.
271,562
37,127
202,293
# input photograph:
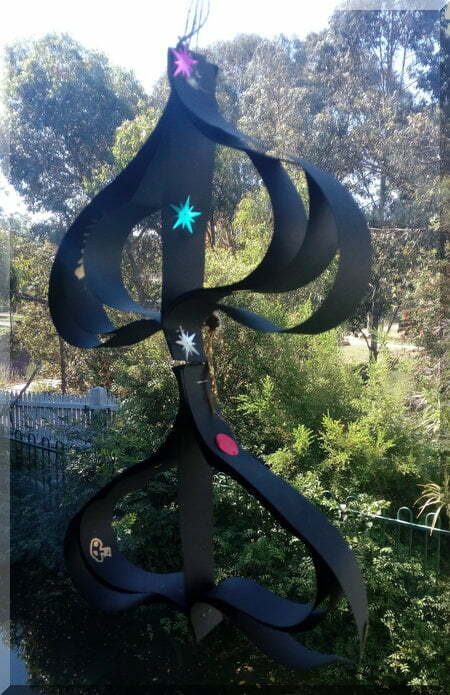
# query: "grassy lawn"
355,354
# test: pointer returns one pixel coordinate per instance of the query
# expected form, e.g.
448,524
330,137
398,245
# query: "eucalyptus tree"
376,70
65,103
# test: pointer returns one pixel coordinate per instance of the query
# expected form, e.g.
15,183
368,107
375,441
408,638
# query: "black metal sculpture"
172,173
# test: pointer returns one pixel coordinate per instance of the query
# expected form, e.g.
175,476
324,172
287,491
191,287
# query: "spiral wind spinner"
172,173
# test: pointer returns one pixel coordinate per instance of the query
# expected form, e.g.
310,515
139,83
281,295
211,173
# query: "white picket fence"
55,416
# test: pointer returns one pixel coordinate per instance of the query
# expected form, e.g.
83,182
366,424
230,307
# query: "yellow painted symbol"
98,551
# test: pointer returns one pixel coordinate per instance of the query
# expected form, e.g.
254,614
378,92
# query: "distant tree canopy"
65,104
359,98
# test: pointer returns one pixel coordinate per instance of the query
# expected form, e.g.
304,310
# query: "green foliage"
128,138
65,105
404,646
426,322
355,443
384,450
4,268
30,266
287,462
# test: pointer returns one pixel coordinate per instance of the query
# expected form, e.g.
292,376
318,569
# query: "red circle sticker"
226,444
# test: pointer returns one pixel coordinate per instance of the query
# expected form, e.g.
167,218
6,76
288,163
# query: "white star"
187,343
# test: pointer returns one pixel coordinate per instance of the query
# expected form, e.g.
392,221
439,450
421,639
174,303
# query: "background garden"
352,418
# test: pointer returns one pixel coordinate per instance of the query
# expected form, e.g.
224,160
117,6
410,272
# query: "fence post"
60,469
98,397
410,518
430,515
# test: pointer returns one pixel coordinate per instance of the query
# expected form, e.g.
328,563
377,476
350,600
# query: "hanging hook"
199,10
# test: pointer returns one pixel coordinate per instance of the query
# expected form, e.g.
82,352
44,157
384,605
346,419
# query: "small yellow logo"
98,551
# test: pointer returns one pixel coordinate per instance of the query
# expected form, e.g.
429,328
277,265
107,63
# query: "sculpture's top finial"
196,18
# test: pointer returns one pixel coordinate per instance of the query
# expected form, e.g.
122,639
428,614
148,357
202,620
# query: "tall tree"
65,103
372,67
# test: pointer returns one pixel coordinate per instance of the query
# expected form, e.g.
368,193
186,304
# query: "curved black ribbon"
174,163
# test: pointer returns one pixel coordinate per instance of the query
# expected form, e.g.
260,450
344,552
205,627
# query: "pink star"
183,61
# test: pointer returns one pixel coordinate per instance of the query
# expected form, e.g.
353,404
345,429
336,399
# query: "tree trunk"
373,322
211,232
62,364
382,203
230,239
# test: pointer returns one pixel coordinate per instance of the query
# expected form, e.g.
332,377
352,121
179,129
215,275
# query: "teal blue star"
185,215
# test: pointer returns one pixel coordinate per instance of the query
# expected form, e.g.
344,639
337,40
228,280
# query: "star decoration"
185,215
187,343
183,61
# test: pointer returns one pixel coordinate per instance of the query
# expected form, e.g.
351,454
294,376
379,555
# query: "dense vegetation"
360,99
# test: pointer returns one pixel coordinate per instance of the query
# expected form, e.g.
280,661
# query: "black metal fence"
39,464
407,534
